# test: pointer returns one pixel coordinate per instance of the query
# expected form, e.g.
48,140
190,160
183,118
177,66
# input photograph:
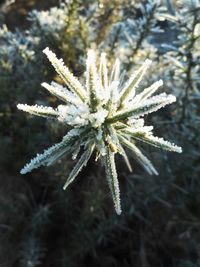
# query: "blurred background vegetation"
42,225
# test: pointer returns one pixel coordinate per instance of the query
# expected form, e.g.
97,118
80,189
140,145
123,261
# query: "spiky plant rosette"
102,117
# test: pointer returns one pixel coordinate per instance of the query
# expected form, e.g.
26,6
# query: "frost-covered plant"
139,29
132,38
103,116
185,54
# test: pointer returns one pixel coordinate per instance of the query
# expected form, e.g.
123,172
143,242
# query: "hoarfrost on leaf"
103,116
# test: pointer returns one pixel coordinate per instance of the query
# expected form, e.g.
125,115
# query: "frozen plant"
49,22
103,117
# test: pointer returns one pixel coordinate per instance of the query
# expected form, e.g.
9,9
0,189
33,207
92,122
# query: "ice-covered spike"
149,91
113,134
62,93
42,111
148,106
103,71
115,73
112,101
92,80
142,159
135,123
129,90
154,140
51,154
70,80
125,157
101,117
111,175
112,139
135,130
79,165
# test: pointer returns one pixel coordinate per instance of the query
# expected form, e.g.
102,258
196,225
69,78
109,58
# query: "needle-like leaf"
49,155
115,73
103,71
66,75
101,118
62,93
129,89
42,111
112,179
143,160
79,165
153,140
146,107
92,81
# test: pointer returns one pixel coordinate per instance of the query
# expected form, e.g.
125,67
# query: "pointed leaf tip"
20,106
46,50
91,54
111,175
129,90
148,61
70,80
160,82
179,149
118,211
22,171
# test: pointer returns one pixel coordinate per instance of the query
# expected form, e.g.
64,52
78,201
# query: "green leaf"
92,81
70,80
115,73
149,91
111,176
143,160
79,165
125,157
148,106
42,111
154,141
133,82
61,92
103,71
51,154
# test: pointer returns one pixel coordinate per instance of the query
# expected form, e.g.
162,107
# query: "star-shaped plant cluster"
102,116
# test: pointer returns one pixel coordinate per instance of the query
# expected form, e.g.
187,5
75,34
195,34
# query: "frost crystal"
103,117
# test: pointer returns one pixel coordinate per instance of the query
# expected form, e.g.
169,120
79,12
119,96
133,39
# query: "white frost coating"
99,135
100,143
65,74
101,118
153,104
111,175
115,73
114,93
145,107
135,123
142,159
73,116
134,130
62,93
147,92
49,154
159,142
93,83
98,118
79,165
74,132
100,92
103,71
37,110
129,90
